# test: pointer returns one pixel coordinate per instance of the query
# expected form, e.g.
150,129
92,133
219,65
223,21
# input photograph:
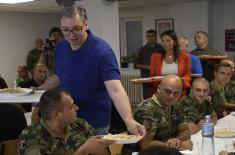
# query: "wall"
187,18
17,34
224,15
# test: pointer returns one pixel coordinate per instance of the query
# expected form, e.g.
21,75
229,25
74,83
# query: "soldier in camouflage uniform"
195,106
229,89
161,119
222,75
201,41
60,132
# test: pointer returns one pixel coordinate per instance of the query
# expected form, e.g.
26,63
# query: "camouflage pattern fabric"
40,140
218,99
158,120
207,65
229,91
194,111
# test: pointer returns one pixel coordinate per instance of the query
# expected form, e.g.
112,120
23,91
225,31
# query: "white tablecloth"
227,122
30,98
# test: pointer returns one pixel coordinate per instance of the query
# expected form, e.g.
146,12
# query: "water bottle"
208,136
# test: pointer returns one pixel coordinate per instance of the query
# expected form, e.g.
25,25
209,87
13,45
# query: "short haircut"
160,150
54,29
200,80
51,101
151,31
222,64
203,32
72,11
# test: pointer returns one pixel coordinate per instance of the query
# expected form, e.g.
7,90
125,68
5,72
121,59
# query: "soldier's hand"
173,142
96,145
186,145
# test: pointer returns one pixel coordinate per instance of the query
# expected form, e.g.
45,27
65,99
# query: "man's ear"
158,88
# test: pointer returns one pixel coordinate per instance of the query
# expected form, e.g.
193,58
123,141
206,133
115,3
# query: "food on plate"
122,136
225,133
12,90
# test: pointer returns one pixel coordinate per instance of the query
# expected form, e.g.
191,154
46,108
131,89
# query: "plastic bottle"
208,136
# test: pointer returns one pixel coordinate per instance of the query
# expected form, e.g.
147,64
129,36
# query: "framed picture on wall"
163,25
230,40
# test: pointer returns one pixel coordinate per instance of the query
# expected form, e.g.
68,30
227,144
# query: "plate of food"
123,138
225,133
13,92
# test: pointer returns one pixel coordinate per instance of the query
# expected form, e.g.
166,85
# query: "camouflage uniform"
207,65
40,140
218,99
158,120
229,91
194,111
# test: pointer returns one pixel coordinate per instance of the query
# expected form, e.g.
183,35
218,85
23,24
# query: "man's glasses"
75,30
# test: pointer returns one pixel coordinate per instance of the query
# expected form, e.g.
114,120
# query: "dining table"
227,123
32,97
155,79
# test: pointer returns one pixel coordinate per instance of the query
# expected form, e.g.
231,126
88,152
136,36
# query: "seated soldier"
222,76
197,105
164,124
229,89
22,74
59,130
39,76
3,83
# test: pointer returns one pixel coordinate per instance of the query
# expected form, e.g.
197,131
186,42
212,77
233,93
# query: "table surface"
155,79
216,57
224,123
30,98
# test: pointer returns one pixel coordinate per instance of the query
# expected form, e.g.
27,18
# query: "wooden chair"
115,149
9,147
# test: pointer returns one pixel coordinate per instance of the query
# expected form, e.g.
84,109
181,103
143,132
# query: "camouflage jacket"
40,140
192,110
218,99
229,91
160,121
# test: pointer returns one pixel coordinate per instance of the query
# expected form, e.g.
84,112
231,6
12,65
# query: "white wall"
187,17
224,18
18,32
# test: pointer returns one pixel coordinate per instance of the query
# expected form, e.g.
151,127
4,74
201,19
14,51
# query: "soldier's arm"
183,131
194,128
229,106
148,141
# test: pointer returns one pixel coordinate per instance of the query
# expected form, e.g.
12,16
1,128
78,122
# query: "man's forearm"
51,82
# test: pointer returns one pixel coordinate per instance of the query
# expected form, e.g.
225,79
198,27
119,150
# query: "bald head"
172,80
169,90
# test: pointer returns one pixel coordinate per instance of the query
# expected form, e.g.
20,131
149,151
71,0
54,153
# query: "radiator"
134,91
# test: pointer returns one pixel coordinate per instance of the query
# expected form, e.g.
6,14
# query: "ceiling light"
14,1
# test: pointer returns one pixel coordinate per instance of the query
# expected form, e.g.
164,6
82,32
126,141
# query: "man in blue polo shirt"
87,67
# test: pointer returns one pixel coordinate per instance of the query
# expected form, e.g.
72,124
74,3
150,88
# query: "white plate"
130,140
225,133
26,91
232,113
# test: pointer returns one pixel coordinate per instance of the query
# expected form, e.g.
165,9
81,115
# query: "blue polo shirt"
83,73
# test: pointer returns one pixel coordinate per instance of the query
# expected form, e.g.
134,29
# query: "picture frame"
230,40
163,25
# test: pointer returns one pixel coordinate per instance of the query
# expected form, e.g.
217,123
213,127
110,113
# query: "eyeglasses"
75,30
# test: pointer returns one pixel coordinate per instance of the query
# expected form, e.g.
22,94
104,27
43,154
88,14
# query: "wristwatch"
231,153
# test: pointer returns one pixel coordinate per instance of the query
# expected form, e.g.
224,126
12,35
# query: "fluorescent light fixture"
14,1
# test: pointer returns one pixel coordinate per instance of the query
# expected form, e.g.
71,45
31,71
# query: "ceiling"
50,6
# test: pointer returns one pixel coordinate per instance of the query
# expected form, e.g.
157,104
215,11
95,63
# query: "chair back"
9,147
